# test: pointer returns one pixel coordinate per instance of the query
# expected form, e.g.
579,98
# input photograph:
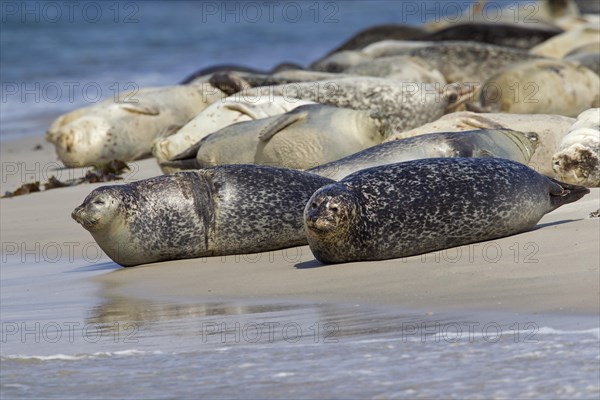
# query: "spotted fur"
231,209
501,143
415,207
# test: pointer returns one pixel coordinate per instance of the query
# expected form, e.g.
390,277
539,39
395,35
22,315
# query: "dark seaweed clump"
106,172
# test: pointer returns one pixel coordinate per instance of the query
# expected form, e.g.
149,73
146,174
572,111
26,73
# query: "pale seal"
549,128
499,143
540,86
543,13
410,208
305,137
233,209
217,116
125,130
561,45
577,159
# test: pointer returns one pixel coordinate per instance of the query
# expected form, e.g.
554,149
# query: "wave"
75,357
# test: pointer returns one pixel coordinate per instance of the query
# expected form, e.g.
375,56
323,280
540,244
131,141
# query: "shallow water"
65,337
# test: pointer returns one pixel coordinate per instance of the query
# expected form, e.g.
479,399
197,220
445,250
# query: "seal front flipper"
280,123
242,109
138,108
562,193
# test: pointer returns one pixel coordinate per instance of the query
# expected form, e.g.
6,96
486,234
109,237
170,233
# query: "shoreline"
552,269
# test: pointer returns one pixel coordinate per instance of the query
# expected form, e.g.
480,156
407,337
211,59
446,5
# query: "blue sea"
61,339
57,56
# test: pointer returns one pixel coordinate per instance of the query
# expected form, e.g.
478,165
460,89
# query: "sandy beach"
552,269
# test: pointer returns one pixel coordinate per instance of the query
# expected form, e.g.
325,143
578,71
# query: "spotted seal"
232,209
500,143
458,61
410,208
406,105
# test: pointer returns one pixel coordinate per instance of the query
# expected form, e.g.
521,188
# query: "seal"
549,128
542,13
523,36
410,208
561,45
499,143
402,68
378,33
587,55
399,68
233,209
305,137
458,61
217,116
125,130
204,75
577,159
406,105
540,86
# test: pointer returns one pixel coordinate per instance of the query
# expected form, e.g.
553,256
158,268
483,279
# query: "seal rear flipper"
562,193
147,108
280,123
229,83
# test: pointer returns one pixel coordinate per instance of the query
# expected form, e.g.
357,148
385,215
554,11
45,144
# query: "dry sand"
552,269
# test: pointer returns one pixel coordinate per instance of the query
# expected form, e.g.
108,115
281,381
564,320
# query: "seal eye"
314,205
334,209
99,202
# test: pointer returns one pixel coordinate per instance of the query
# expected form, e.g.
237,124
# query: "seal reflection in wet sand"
233,209
415,207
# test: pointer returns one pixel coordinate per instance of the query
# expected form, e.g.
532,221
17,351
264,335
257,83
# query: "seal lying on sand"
511,145
410,208
549,128
406,105
511,35
540,86
564,43
125,130
577,159
305,137
458,61
217,116
233,209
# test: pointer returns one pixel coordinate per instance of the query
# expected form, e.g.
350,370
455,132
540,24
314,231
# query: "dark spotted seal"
415,207
232,209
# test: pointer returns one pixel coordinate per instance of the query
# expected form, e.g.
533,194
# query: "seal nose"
76,214
333,208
